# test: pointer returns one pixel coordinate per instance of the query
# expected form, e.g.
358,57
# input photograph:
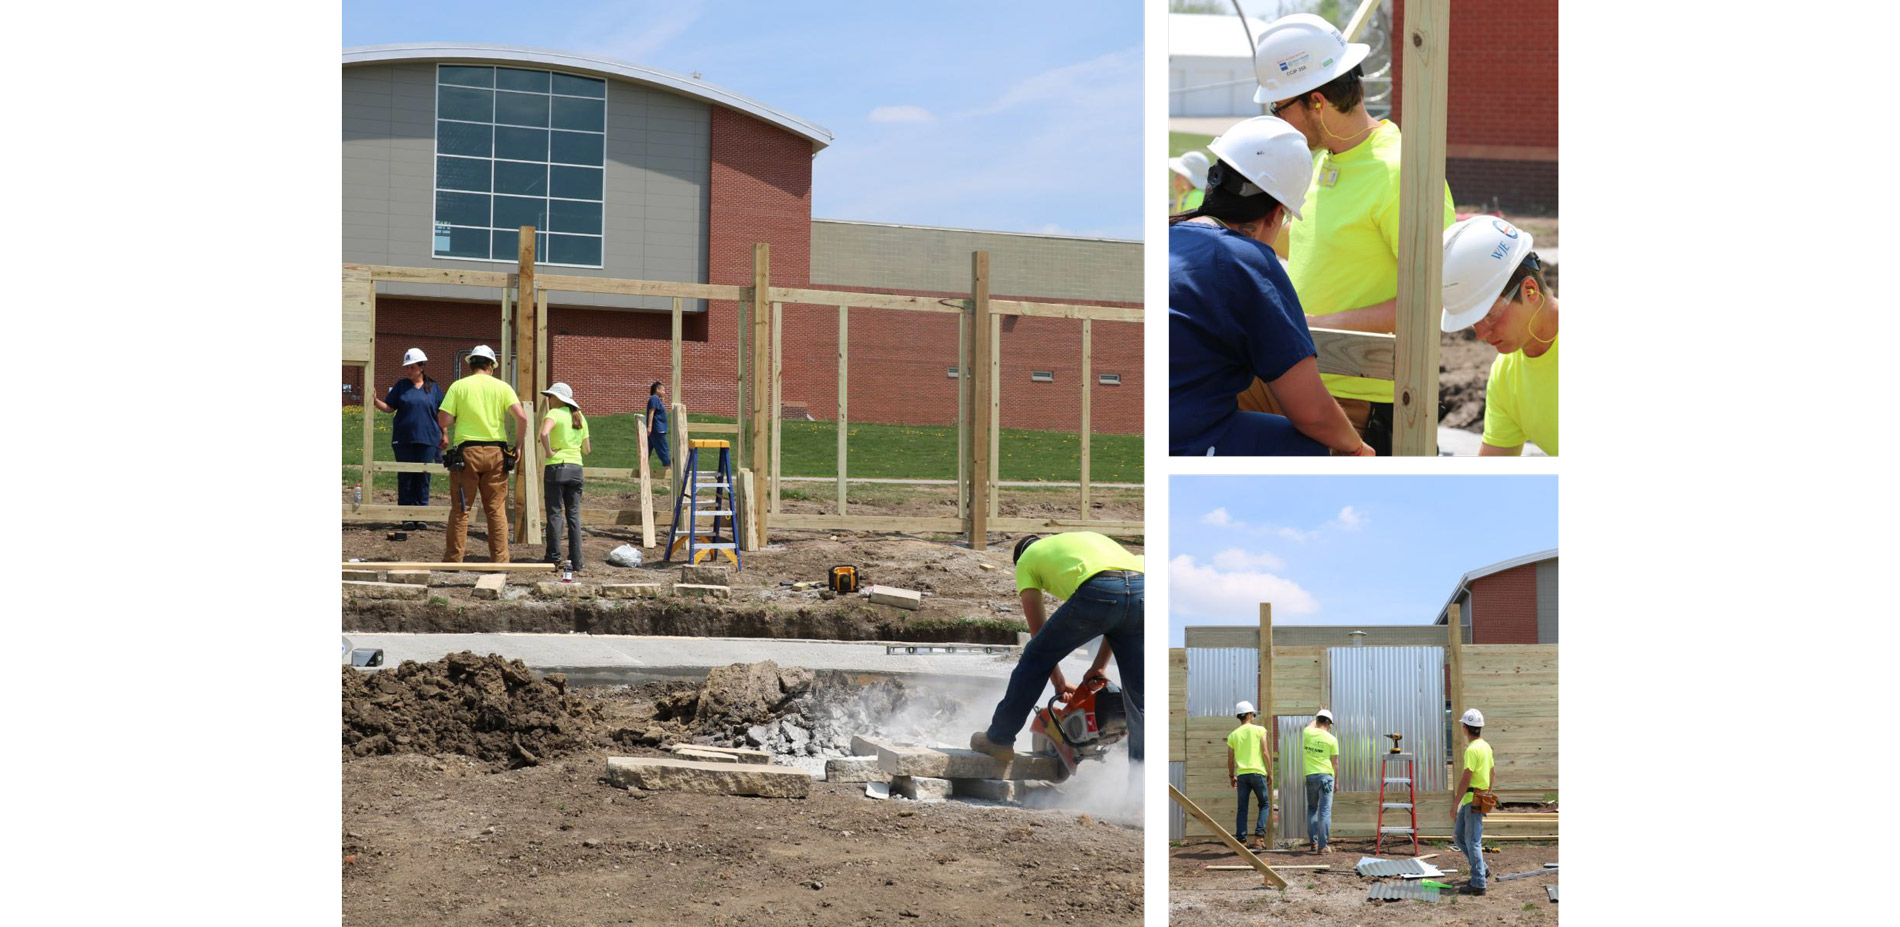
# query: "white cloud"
1296,535
1217,517
1206,593
635,33
1074,84
906,113
1350,519
1236,560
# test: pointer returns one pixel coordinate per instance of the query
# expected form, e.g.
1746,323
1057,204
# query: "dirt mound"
484,707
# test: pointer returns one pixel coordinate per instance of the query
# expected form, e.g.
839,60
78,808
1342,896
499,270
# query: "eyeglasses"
1278,107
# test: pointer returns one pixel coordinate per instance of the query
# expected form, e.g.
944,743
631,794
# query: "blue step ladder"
722,505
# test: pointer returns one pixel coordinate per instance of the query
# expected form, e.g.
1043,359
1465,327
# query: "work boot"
981,743
1469,889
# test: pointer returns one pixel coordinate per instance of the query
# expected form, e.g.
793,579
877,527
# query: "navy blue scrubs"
415,435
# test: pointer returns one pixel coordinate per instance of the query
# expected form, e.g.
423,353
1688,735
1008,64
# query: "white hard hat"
413,356
1323,713
1299,53
1244,708
562,392
482,350
1480,254
1270,153
1473,717
1192,165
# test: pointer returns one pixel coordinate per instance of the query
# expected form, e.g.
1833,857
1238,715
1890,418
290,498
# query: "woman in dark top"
656,427
1232,312
415,435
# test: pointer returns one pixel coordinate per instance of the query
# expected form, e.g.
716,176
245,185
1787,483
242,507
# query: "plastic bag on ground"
625,555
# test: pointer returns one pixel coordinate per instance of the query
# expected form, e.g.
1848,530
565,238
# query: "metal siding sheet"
1217,677
1292,784
1388,690
1177,816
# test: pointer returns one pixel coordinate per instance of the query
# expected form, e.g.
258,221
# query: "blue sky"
1008,116
1342,550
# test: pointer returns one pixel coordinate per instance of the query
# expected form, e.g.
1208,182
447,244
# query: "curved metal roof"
588,64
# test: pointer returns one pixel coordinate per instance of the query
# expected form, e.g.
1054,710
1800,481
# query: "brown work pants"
481,476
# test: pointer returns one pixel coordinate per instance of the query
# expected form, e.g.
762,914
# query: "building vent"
1042,376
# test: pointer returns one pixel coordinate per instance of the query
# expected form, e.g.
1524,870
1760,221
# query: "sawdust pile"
483,707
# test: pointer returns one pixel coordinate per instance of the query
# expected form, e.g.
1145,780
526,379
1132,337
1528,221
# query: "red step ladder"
1409,805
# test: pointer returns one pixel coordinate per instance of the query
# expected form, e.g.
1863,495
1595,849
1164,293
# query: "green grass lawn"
888,451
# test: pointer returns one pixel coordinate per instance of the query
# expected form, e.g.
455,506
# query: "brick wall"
1501,94
1504,607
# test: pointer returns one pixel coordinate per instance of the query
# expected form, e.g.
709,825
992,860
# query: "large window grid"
516,147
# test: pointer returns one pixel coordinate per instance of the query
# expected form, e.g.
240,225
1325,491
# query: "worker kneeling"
1494,285
1100,584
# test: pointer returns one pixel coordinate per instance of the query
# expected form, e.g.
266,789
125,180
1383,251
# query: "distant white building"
1210,65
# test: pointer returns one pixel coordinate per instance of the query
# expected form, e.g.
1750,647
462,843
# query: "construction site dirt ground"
969,596
1337,897
482,836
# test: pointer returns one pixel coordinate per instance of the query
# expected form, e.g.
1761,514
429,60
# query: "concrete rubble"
630,591
490,586
412,577
893,596
855,769
921,788
361,590
954,763
693,590
708,778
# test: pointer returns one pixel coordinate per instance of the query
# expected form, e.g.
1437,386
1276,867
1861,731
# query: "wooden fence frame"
757,428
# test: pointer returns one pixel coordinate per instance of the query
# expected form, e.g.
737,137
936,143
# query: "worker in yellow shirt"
1187,181
476,408
1319,761
1247,763
1494,285
1467,821
1343,251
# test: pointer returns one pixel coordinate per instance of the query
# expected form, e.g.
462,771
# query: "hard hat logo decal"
1502,250
1504,227
1327,63
1294,64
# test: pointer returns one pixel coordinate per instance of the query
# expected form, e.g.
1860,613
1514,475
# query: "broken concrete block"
741,754
708,778
986,789
702,592
921,788
855,769
362,576
630,591
686,751
384,591
900,598
555,589
412,577
877,790
952,763
704,575
864,746
458,578
490,586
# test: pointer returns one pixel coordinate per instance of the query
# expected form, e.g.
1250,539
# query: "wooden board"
1243,636
452,567
1425,47
951,304
982,402
646,484
1067,311
1271,878
1088,390
844,402
359,319
1355,354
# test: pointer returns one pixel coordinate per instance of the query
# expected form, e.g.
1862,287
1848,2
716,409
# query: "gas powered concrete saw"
1092,720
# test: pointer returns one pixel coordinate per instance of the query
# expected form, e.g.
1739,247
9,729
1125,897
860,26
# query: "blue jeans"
1254,434
413,488
1108,606
1253,784
1468,832
1319,808
656,444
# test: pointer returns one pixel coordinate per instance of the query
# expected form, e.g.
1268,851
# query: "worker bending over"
476,407
1475,800
1494,285
1319,761
1100,584
1248,760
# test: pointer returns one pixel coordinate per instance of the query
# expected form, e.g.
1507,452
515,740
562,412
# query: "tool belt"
1483,801
453,461
509,457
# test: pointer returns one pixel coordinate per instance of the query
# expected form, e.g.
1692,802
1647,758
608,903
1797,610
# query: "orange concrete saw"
1092,720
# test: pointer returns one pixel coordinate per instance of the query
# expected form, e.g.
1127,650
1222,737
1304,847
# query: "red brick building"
1501,102
1510,602
636,173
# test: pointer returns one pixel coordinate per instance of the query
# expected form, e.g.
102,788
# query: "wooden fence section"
760,371
1515,685
1177,704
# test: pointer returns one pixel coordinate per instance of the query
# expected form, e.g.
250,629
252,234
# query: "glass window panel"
521,179
462,138
461,174
517,79
472,243
579,183
569,216
507,246
513,212
580,86
521,109
465,103
588,115
462,208
578,148
466,76
573,249
521,144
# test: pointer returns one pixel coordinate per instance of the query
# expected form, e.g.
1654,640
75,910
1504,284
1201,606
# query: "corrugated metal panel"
1177,816
1388,690
1217,677
1401,891
1292,784
1377,868
1552,891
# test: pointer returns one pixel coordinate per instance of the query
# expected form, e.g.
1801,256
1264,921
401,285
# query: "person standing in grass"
1319,759
414,435
1247,764
656,428
564,438
1474,782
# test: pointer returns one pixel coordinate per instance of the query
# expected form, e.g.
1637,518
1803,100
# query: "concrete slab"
855,769
630,590
708,778
458,579
490,586
900,598
555,589
986,789
692,590
385,591
686,752
362,576
705,575
742,754
412,577
921,788
952,763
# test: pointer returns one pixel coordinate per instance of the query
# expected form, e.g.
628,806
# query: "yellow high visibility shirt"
1317,748
1520,400
1343,253
480,404
565,438
1479,760
1250,755
1060,562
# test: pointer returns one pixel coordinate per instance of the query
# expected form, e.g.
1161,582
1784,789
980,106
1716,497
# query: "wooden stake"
844,395
646,487
777,399
1088,388
982,323
759,435
1421,227
524,351
1267,874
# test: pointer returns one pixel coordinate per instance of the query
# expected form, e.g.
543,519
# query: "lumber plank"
1067,311
981,403
1355,354
1088,390
844,397
646,484
573,283
822,297
452,567
1421,227
1271,878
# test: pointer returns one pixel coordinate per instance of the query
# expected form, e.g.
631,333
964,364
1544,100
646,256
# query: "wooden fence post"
369,404
1265,705
777,400
980,488
1421,227
1088,388
1454,676
761,370
524,352
963,412
646,484
844,396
